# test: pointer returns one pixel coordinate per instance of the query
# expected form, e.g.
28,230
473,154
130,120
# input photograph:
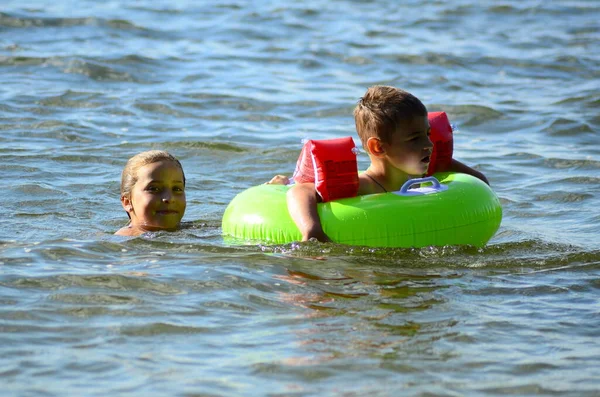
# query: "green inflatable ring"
465,212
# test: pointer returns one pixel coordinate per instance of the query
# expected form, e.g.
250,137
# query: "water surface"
231,88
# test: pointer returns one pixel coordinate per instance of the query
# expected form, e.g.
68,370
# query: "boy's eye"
178,189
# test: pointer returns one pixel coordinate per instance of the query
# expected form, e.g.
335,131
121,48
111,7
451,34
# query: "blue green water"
231,88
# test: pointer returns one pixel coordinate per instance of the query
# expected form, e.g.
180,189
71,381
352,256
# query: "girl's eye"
152,189
178,189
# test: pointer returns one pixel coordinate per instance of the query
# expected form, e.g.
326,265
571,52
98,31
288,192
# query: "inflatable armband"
443,143
331,165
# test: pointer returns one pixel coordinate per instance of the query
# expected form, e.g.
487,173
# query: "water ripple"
13,21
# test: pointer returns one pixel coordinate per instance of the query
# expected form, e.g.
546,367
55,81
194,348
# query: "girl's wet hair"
130,173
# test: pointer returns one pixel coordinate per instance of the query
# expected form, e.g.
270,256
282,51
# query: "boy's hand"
457,166
319,235
302,205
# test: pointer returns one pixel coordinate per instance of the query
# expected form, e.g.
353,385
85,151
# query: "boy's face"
157,200
410,148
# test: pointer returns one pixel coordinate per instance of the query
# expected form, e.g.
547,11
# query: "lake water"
231,88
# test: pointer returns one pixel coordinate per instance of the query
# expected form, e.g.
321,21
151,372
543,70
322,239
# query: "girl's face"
157,200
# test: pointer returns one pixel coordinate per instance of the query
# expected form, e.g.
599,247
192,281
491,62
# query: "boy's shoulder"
366,185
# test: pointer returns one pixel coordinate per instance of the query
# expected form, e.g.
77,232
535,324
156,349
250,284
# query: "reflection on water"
299,312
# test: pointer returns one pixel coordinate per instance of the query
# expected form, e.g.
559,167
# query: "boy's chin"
421,171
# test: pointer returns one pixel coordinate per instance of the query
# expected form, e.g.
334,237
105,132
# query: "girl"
152,193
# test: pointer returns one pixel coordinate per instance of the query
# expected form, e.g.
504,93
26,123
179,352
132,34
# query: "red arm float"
331,165
443,142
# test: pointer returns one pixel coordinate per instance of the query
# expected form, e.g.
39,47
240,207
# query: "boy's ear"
374,146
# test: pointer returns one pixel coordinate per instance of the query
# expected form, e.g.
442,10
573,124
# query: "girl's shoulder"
127,231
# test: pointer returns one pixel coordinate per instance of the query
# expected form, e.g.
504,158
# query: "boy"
394,130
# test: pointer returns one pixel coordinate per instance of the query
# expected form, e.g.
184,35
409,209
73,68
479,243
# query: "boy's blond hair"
380,111
130,173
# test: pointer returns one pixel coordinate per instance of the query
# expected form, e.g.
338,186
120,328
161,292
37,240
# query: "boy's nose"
429,143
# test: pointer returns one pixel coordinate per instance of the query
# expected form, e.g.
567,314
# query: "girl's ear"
126,203
374,146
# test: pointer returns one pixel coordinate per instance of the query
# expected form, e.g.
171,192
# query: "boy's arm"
302,205
457,166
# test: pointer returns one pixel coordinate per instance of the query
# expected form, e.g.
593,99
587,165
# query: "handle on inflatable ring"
436,184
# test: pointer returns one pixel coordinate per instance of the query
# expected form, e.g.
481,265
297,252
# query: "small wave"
587,101
167,329
253,110
73,99
534,160
580,180
220,146
560,68
528,253
95,69
161,108
114,282
523,156
93,299
31,189
92,69
564,197
431,59
22,61
126,68
161,9
13,21
17,168
121,24
133,60
505,9
67,132
574,164
89,158
17,21
472,115
566,127
539,9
